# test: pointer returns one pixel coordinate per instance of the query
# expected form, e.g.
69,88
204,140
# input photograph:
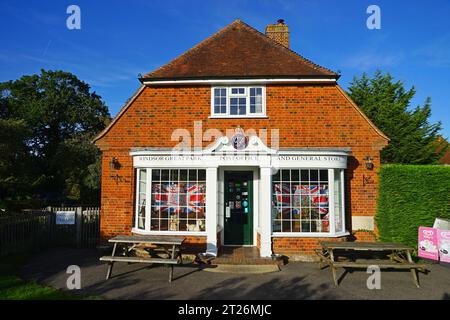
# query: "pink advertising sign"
444,245
428,243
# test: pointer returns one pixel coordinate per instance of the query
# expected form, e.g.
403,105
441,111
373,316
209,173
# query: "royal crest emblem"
239,141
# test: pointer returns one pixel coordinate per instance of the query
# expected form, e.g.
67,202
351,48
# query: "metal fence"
33,230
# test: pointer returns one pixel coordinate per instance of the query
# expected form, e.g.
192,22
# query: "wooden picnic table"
169,245
399,257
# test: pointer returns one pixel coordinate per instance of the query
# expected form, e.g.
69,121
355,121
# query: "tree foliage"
49,120
387,103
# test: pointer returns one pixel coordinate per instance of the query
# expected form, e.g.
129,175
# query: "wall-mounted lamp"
114,163
369,162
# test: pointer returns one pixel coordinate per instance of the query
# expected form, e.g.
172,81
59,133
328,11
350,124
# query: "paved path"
295,281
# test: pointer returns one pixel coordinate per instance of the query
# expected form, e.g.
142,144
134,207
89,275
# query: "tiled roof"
239,51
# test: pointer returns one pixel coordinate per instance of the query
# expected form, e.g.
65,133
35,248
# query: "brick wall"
363,236
258,242
305,115
299,248
194,244
286,245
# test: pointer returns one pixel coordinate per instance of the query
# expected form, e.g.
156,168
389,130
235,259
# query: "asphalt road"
296,281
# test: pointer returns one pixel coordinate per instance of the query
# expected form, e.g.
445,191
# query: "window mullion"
331,204
228,111
136,213
148,197
263,100
213,100
247,101
342,200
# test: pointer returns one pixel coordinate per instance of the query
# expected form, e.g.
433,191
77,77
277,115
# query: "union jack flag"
308,189
282,195
177,198
299,197
159,196
195,194
321,199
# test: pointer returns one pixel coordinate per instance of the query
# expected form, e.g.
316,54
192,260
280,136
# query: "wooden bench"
399,257
139,260
160,243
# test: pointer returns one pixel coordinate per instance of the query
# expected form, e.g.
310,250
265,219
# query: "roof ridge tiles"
190,53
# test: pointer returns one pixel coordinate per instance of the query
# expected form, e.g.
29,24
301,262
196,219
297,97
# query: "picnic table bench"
399,257
169,245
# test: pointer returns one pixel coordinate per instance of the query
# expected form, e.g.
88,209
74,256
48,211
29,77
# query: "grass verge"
12,287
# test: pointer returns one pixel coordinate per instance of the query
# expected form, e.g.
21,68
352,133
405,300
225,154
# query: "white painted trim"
211,211
245,95
265,208
309,234
343,195
136,200
239,81
205,152
221,203
137,194
252,116
331,208
168,233
255,204
148,197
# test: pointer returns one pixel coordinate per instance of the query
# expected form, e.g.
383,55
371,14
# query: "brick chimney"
279,32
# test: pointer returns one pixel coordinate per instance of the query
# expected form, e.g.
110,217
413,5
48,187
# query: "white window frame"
246,95
137,194
331,209
147,230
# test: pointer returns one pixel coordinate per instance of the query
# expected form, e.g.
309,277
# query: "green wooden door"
238,228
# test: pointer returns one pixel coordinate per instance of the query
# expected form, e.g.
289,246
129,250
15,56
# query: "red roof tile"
239,51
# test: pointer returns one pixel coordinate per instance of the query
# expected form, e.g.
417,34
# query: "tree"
15,174
387,103
56,116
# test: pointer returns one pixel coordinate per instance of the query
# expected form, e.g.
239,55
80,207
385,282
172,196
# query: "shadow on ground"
295,281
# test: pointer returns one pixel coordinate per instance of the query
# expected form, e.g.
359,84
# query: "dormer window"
238,102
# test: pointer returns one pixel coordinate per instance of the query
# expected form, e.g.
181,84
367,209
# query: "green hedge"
411,196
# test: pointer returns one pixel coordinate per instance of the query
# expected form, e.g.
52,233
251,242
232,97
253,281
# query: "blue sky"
119,39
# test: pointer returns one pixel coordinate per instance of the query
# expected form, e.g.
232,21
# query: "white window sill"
239,117
309,234
168,233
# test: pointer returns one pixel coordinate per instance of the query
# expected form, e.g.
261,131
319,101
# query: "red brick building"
445,158
241,141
